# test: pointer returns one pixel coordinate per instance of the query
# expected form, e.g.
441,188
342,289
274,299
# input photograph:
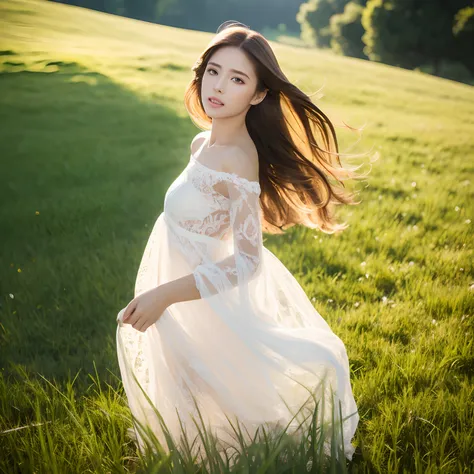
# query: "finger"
129,310
120,315
134,318
142,326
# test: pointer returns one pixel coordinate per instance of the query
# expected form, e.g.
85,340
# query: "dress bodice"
195,205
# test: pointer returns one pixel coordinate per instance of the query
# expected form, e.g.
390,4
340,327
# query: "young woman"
218,323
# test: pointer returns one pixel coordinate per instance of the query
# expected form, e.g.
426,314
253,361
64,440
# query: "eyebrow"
233,70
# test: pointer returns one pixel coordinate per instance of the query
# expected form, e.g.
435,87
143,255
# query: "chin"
213,112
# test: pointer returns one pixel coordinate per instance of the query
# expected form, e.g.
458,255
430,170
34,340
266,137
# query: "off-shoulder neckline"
226,173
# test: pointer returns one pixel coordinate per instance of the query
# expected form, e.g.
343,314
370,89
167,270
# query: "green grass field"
93,130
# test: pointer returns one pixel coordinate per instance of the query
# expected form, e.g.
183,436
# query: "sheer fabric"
253,347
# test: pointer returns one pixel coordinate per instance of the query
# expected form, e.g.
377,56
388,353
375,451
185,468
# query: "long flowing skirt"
259,368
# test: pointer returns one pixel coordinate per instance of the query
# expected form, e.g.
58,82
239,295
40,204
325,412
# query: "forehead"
230,57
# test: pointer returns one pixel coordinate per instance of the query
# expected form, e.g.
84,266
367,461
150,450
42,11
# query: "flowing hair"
298,152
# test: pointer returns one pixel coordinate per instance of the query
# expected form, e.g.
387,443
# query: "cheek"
242,96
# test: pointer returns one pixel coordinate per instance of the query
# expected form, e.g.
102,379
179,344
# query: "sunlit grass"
60,429
93,131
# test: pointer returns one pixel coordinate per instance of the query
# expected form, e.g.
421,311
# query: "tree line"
436,36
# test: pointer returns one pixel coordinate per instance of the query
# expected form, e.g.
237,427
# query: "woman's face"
230,78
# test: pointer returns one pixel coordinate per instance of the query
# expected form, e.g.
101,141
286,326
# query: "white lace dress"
253,347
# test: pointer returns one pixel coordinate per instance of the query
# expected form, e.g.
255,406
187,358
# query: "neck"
227,131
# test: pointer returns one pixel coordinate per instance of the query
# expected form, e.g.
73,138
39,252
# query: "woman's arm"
210,278
245,220
181,289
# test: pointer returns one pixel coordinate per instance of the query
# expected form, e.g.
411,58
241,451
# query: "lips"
219,102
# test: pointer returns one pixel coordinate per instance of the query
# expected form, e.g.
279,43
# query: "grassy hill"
93,130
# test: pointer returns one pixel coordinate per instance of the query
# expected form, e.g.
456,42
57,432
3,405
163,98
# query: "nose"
218,85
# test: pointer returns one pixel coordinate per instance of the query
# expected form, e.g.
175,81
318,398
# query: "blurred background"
435,36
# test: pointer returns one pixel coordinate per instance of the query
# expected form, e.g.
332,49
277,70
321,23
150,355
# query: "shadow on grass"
86,164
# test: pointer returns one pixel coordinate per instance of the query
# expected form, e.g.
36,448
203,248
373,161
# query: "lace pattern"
205,178
134,344
243,222
214,225
235,216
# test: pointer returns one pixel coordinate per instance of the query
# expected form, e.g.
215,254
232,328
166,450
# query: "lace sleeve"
245,221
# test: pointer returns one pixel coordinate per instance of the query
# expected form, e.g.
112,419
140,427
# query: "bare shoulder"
243,162
198,141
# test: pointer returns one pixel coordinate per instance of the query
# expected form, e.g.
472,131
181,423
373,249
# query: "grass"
89,432
93,131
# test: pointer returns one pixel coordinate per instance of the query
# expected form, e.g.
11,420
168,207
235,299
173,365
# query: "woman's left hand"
146,309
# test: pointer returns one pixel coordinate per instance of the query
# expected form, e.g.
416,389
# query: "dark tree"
463,31
347,31
410,33
314,18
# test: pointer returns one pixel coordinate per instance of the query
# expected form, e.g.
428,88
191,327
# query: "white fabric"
252,347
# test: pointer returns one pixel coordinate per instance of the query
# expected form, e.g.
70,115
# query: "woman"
218,324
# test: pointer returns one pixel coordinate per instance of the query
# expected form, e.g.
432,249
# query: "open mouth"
214,101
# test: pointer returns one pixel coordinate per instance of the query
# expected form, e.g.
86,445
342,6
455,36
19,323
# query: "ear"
259,97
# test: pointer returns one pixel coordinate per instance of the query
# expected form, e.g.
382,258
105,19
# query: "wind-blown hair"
298,152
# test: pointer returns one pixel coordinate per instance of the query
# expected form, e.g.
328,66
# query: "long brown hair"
297,176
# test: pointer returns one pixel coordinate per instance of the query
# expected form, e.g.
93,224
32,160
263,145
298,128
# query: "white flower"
363,264
11,296
413,184
457,208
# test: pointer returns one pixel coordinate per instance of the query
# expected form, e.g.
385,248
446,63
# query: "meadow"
93,129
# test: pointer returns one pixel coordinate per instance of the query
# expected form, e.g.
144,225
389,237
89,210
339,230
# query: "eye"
235,77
